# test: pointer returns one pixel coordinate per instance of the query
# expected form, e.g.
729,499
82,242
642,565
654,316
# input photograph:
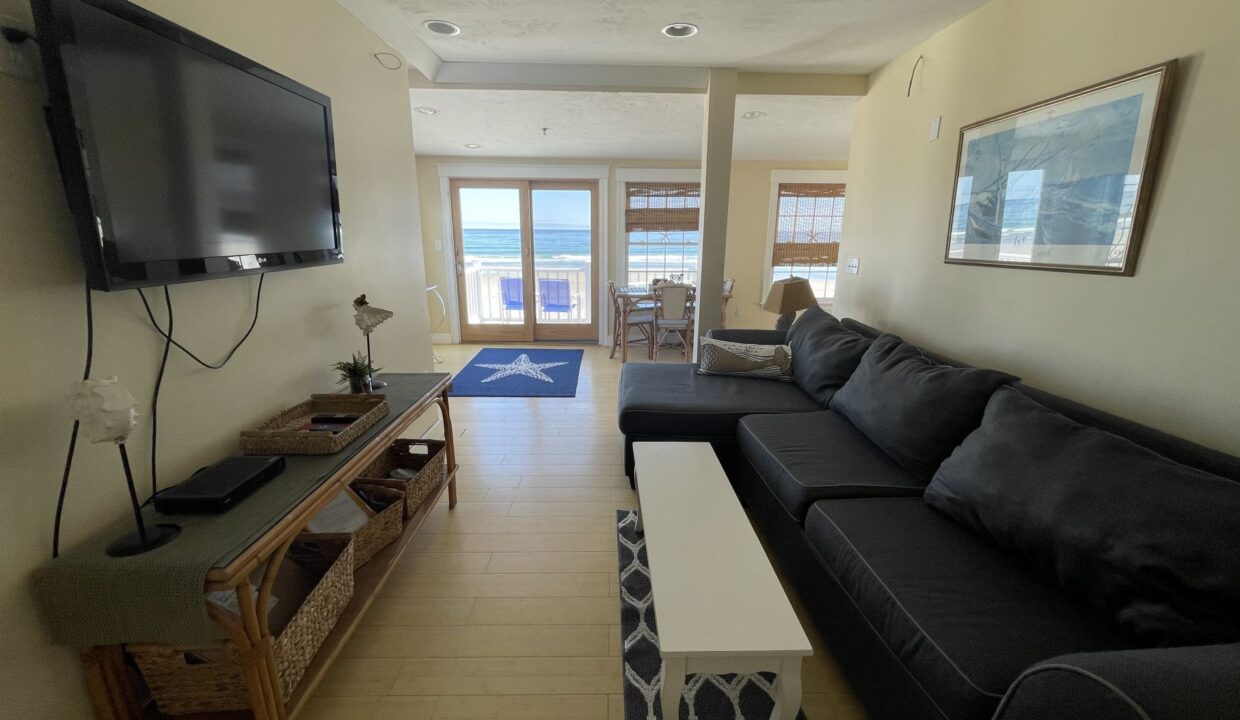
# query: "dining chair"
622,324
728,284
673,314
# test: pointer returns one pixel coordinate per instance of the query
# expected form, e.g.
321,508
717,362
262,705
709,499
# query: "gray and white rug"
706,697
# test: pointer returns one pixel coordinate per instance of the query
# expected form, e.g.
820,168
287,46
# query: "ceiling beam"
627,78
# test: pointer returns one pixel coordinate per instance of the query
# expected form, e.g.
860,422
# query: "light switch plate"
936,123
854,266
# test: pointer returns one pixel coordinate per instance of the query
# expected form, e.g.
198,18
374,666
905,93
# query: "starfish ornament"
520,366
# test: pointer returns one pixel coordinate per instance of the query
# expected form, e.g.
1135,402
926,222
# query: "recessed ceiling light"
426,110
472,146
754,115
442,27
680,30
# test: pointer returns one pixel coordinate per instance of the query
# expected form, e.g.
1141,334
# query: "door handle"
460,269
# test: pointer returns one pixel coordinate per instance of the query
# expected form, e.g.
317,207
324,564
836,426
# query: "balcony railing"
485,298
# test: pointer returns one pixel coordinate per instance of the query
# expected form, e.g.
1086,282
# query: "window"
661,230
808,218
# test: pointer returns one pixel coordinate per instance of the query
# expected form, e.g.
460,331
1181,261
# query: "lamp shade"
789,295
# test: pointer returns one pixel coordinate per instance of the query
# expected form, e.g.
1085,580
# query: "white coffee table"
718,605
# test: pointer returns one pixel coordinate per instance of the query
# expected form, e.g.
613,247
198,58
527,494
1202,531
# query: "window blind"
807,232
662,207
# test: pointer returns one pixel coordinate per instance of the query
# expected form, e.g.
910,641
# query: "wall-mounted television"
181,159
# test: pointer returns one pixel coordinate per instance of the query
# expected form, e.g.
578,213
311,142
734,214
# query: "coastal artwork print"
1064,184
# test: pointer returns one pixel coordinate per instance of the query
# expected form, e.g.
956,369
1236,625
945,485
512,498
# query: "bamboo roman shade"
661,207
808,228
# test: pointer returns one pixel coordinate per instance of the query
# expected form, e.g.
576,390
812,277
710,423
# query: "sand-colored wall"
748,214
1162,347
306,320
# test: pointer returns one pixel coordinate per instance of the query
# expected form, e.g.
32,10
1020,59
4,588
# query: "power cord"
64,478
169,343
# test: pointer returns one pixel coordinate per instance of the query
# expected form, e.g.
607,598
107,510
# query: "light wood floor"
507,607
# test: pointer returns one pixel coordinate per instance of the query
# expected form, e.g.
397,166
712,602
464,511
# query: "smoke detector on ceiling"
442,27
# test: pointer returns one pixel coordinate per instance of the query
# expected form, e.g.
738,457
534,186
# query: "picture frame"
1064,184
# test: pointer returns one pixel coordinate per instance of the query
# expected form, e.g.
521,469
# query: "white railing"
485,300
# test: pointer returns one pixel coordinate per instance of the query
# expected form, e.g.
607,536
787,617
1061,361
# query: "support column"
717,132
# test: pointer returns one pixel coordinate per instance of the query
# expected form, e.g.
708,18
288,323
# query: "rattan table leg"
450,443
107,683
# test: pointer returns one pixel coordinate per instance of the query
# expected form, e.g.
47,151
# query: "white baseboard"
441,338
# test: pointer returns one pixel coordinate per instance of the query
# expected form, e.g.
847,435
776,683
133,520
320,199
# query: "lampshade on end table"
788,296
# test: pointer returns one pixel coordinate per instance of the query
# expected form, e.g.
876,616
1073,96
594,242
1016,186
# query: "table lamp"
368,317
786,297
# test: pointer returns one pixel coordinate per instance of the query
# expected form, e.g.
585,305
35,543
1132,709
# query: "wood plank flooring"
507,607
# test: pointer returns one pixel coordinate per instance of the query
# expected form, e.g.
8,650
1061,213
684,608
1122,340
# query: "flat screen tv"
181,159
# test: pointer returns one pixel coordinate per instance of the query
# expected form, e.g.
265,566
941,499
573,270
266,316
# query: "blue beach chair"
555,295
511,293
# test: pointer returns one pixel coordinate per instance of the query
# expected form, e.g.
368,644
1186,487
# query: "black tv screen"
183,160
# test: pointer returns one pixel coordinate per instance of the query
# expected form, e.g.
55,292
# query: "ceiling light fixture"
680,30
442,27
426,110
754,115
472,146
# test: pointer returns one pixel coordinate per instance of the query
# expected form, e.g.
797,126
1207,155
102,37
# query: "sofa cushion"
672,400
917,411
721,357
1137,536
824,353
963,617
806,457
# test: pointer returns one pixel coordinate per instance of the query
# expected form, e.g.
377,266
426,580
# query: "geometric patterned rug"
706,697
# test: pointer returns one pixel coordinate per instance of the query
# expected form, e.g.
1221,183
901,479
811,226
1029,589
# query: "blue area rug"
519,372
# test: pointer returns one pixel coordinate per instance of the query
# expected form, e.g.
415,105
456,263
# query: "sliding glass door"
526,256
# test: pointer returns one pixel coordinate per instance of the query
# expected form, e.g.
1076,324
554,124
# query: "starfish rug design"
520,372
521,366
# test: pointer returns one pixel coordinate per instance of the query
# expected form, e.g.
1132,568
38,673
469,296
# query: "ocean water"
570,247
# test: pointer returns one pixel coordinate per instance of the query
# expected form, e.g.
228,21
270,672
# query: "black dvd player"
217,488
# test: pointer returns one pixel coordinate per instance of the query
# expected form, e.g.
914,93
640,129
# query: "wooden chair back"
674,302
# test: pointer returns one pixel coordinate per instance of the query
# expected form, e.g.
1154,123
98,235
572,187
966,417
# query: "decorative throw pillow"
824,353
914,409
719,357
1146,541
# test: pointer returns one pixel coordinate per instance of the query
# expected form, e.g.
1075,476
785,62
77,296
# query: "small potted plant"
357,373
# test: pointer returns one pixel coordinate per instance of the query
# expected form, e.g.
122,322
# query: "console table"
290,501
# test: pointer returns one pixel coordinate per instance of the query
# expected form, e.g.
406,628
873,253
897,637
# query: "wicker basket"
199,680
280,435
430,467
380,530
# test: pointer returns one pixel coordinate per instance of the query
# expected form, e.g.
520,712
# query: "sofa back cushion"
1148,542
824,353
916,410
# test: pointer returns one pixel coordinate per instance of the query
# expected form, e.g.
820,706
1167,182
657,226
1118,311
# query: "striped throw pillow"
719,357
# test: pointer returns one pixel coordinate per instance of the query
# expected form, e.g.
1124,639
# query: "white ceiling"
840,36
622,125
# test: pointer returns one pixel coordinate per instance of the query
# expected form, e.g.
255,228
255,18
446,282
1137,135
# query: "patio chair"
673,314
621,335
512,293
555,295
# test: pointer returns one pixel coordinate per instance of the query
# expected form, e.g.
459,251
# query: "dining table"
641,297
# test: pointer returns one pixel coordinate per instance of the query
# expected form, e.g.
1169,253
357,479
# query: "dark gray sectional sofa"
1055,563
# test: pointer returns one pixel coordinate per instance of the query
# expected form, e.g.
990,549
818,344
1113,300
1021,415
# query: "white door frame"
772,217
484,171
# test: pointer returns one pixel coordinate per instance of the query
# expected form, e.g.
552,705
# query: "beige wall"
306,320
748,213
1162,347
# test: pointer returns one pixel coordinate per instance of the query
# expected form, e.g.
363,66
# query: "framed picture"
1064,184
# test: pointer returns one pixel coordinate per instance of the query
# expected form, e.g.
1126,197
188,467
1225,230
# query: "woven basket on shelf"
381,529
280,434
199,680
428,458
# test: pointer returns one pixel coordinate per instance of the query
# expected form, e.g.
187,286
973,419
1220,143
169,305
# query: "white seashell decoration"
368,317
105,409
